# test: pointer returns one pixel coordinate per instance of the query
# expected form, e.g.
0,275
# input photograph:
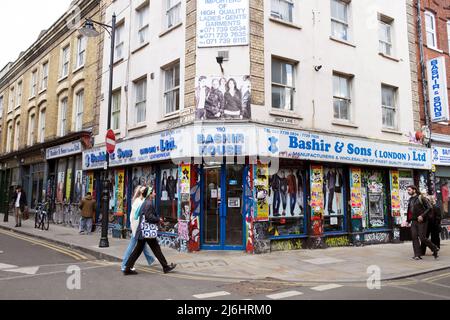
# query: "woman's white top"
133,222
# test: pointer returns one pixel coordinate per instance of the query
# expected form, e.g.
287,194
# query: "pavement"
336,265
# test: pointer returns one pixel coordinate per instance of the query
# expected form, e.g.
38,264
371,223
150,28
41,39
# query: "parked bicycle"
41,217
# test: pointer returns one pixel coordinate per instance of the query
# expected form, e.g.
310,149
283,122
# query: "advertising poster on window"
78,192
262,192
60,187
89,183
333,184
119,190
223,23
169,192
223,98
317,196
185,179
395,193
68,184
356,194
185,191
286,193
143,176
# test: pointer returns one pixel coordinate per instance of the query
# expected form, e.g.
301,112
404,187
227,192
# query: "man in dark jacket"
19,203
418,208
434,227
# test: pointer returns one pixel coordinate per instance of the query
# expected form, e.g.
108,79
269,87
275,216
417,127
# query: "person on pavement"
434,225
147,212
418,209
88,207
138,200
20,202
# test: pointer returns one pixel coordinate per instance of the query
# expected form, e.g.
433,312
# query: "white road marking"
326,287
7,266
211,295
283,295
27,270
320,261
1,252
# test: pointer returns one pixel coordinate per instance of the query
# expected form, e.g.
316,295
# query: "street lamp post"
89,31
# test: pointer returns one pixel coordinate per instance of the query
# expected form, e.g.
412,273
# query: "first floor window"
173,12
389,106
141,100
282,9
385,38
79,109
172,88
9,137
341,97
42,126
17,135
63,117
339,19
283,87
31,128
115,117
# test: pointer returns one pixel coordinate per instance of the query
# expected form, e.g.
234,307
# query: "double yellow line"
73,254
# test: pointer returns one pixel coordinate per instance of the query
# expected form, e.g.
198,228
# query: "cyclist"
88,207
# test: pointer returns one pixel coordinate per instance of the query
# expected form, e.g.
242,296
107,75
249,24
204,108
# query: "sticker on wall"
262,192
120,180
395,193
356,199
183,230
317,196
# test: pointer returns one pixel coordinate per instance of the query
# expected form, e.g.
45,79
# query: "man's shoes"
169,268
435,253
129,272
416,258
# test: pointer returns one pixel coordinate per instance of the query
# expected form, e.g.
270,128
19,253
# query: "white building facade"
262,125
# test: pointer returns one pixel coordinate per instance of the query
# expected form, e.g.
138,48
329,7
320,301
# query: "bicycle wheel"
45,222
36,220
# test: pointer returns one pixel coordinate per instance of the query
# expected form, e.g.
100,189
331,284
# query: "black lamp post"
89,31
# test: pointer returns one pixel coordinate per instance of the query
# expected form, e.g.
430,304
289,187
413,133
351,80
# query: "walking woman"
137,201
148,214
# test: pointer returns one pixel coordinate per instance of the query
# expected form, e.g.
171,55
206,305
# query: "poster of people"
262,192
169,192
223,98
143,176
333,181
286,189
60,187
78,195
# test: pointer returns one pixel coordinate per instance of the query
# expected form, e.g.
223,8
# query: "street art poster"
143,176
356,193
183,230
120,191
78,195
262,192
185,179
317,196
395,193
223,98
423,182
60,187
333,184
286,193
405,179
168,192
372,181
69,184
184,206
90,183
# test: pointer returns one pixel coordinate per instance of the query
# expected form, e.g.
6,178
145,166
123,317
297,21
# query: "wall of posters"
374,197
168,193
120,192
262,192
60,187
185,191
395,193
69,184
356,194
223,98
333,191
286,193
317,195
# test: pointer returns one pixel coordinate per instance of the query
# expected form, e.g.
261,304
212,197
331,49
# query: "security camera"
317,68
219,60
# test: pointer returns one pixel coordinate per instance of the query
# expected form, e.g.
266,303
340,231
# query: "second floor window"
115,116
339,19
388,105
118,54
385,37
44,81
173,13
79,110
65,56
141,100
430,27
341,97
9,137
282,9
143,24
283,87
19,94
17,136
172,88
11,99
31,129
42,126
63,117
81,52
33,84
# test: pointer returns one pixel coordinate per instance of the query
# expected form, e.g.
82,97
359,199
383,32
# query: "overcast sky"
21,21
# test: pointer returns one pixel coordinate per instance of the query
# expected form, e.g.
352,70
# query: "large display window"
333,192
374,199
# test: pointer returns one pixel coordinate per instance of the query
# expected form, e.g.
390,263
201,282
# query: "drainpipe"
425,90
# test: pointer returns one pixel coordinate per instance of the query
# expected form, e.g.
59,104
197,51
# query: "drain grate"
252,288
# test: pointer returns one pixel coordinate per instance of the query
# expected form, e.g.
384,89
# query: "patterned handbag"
149,230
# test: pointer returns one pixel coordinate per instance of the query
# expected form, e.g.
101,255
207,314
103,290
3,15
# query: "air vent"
224,54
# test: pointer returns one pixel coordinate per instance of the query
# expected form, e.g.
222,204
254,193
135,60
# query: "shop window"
333,191
168,193
442,195
143,176
374,200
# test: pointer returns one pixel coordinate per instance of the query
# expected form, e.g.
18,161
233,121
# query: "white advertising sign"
437,89
311,146
441,156
94,159
223,23
64,150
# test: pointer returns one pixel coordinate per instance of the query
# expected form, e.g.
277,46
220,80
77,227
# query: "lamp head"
88,30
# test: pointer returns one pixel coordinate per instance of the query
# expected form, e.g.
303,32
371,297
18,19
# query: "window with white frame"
16,135
118,54
283,85
385,31
11,99
44,80
42,126
63,117
81,51
282,9
1,106
33,87
140,100
115,116
19,94
173,12
65,60
31,129
142,24
341,96
339,19
430,27
172,88
388,105
9,137
79,110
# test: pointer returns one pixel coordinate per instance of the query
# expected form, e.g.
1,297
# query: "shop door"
222,219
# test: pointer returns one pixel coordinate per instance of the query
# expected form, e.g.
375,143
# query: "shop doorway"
222,221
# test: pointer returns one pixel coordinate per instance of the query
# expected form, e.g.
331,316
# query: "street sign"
110,142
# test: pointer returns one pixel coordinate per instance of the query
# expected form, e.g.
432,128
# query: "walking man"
88,207
418,208
20,202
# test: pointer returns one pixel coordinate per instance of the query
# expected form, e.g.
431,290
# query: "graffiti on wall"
342,241
194,225
261,243
396,234
377,237
285,245
249,210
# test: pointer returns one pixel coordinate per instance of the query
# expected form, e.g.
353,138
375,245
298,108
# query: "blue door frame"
223,212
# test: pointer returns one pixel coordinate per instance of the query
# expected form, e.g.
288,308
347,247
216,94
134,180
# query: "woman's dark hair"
227,86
